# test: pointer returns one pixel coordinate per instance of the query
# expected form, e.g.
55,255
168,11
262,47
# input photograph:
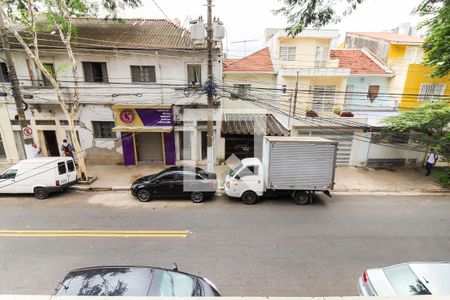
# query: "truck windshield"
235,170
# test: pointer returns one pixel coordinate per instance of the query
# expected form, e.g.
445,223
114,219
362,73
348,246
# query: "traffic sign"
27,132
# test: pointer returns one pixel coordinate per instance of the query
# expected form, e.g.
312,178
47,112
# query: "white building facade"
136,78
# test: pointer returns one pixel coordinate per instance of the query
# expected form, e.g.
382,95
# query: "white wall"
97,98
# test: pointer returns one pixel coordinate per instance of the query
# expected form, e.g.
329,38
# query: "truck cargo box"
299,163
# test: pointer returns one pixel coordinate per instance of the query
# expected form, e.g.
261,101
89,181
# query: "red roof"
391,37
359,62
258,62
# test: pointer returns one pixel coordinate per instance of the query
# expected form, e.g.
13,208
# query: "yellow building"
412,84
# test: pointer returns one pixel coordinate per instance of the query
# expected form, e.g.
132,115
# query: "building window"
241,90
413,55
323,97
321,57
287,53
431,91
194,74
51,69
348,93
95,72
143,74
4,73
372,92
45,122
103,130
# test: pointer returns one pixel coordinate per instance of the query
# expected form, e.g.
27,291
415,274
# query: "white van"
39,176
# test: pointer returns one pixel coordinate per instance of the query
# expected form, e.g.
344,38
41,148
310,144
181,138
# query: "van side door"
71,170
61,177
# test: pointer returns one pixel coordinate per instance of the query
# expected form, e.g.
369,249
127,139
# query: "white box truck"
294,166
39,176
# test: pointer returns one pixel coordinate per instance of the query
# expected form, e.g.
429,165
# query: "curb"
334,192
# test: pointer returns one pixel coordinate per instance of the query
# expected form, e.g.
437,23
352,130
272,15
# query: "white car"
408,279
39,176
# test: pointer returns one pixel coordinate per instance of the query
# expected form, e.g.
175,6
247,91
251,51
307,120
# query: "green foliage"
431,120
442,175
337,110
437,42
302,14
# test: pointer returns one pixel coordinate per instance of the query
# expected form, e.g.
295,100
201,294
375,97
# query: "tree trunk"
79,153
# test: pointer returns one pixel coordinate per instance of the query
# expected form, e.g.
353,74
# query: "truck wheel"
301,197
40,193
249,197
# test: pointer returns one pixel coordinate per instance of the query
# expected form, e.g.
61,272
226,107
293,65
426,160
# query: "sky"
247,19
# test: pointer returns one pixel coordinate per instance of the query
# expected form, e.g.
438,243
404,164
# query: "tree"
302,14
436,45
429,124
25,19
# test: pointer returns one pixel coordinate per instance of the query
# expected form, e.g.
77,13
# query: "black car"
176,182
134,281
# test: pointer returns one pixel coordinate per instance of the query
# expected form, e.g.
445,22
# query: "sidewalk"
348,179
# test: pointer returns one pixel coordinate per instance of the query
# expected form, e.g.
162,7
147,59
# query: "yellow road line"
92,230
94,233
88,235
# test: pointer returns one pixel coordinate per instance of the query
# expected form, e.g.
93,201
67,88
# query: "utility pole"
210,150
13,77
295,96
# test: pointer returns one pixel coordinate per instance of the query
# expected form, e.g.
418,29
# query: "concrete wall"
355,102
379,47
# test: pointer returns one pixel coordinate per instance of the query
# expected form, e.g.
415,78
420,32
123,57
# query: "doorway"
51,143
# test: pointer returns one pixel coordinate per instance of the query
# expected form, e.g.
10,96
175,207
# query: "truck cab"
246,180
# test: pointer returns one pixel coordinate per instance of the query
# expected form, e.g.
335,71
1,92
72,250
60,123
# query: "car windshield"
168,283
405,282
106,282
235,170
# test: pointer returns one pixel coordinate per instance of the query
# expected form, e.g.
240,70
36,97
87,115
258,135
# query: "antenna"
245,44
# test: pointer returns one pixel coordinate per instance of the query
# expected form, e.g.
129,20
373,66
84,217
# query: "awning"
259,124
143,128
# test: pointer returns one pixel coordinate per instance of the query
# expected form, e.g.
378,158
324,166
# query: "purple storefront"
147,134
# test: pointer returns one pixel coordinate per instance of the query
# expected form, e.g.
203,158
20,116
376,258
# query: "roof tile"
358,62
258,62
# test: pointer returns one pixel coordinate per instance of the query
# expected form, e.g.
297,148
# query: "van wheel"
197,197
143,195
301,197
40,193
249,197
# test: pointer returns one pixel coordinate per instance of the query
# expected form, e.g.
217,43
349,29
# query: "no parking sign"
27,133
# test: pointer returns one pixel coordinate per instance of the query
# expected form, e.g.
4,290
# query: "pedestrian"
431,161
36,151
67,148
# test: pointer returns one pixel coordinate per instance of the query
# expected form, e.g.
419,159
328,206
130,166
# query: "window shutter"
87,67
134,73
104,72
283,53
152,71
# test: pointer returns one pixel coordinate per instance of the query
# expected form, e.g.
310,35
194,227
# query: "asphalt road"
274,248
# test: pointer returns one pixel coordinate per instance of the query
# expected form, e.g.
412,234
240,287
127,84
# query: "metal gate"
149,147
344,139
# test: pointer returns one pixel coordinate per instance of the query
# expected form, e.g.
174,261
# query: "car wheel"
40,193
143,195
249,197
301,197
197,197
